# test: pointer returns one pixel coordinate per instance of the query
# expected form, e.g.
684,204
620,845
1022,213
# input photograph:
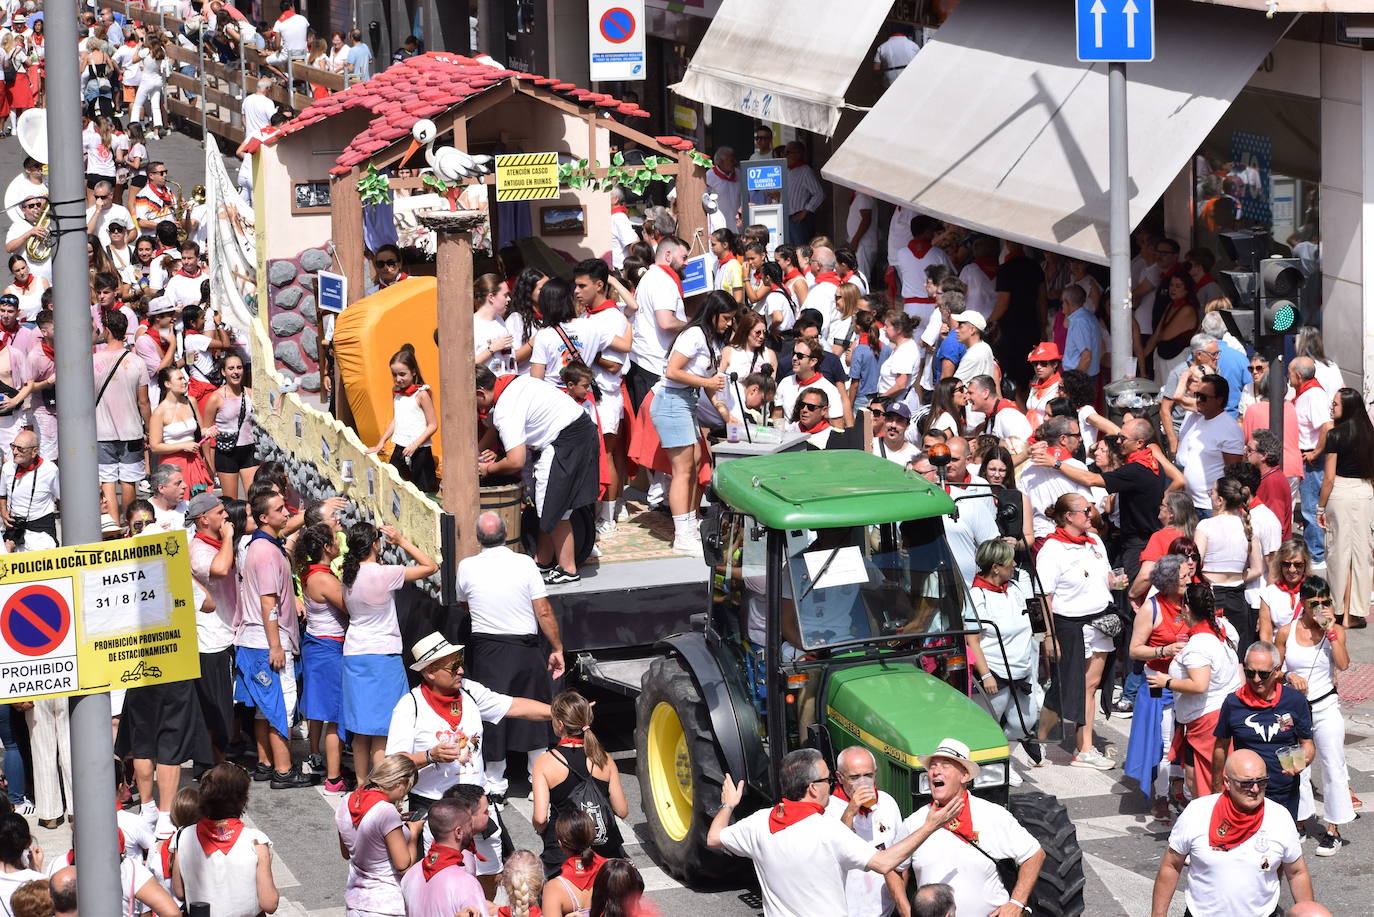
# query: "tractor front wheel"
1059,891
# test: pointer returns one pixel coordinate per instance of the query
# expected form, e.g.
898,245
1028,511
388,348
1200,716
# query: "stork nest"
451,220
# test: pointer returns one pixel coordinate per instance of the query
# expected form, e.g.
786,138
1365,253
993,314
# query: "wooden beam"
691,216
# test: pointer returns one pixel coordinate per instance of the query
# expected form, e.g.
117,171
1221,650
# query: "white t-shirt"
982,289
1330,377
789,389
532,412
946,857
416,727
1283,606
1227,550
893,55
197,347
623,235
1204,650
605,326
976,361
777,302
184,290
702,359
10,882
36,492
550,350
1313,408
821,297
371,606
801,868
116,212
1242,881
1201,443
484,331
898,456
1010,422
214,631
657,292
855,216
499,587
373,883
257,113
1268,534
293,32
866,891
1075,577
227,879
902,362
1043,486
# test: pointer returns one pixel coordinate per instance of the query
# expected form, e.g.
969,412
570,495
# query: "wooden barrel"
505,500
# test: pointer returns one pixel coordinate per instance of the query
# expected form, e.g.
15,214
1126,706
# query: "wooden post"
346,229
457,419
691,185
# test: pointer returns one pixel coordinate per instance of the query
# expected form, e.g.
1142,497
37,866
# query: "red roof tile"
426,86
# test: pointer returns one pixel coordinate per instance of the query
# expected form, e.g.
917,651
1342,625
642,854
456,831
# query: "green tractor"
836,565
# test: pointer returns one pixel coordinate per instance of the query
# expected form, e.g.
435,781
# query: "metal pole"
203,101
1278,384
243,80
97,850
1123,356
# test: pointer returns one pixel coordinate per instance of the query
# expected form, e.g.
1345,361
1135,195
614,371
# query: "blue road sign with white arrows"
1116,30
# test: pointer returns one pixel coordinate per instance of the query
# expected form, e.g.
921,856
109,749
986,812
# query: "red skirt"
193,470
4,100
645,450
21,94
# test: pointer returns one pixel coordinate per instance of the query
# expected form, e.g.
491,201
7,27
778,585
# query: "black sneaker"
1123,708
261,772
497,801
1328,845
315,763
291,780
557,576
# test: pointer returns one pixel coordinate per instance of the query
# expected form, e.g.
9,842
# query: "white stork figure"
449,163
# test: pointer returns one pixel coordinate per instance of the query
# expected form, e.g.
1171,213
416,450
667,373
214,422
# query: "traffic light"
1281,283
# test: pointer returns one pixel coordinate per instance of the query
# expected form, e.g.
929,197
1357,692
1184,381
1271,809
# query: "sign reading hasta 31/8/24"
92,618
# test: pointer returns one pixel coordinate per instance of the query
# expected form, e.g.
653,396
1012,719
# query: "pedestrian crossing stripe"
527,176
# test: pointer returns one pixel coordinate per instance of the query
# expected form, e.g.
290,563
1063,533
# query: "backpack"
588,797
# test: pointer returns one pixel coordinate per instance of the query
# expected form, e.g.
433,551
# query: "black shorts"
236,459
164,723
93,179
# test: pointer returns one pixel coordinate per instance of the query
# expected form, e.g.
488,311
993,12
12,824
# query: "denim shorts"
674,415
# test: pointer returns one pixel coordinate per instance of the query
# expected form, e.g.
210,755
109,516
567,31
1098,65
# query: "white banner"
230,243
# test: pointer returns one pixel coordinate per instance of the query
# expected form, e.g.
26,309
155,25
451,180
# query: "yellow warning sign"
527,177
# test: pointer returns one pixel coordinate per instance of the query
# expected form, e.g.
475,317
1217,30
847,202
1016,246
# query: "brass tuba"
198,194
180,210
38,248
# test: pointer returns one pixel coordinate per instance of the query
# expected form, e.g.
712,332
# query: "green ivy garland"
581,173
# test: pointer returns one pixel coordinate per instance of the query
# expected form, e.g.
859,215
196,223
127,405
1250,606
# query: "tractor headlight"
923,784
991,775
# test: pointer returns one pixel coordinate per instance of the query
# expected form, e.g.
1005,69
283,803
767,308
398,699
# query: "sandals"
1355,802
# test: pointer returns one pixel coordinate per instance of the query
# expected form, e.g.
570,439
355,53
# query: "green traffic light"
1285,317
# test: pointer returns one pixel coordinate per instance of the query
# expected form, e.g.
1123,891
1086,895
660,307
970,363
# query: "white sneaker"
149,813
606,527
1013,778
622,514
1094,759
25,808
687,546
165,828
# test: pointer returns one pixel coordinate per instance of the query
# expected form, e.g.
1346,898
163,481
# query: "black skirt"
164,724
517,666
575,476
1068,695
215,688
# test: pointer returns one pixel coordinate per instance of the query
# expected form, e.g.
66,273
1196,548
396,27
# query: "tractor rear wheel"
1059,891
680,774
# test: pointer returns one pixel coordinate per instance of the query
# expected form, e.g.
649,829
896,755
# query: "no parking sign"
615,39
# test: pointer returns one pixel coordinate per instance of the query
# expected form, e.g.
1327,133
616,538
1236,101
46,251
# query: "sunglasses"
159,172
1293,564
808,406
392,262
1320,602
1203,396
1257,369
830,780
1258,783
1261,674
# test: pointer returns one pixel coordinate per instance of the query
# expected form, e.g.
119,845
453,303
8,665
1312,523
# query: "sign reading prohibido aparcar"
97,617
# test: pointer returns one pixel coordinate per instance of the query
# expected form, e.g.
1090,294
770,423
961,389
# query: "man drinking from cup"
875,817
1270,719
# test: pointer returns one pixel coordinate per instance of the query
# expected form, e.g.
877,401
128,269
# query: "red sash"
790,811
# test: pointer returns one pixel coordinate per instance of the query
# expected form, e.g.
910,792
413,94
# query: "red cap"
1044,352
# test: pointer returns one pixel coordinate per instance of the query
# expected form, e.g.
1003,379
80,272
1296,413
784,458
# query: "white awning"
783,60
996,126
1296,6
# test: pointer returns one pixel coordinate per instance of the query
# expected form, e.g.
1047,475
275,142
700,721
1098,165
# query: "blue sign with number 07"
1116,30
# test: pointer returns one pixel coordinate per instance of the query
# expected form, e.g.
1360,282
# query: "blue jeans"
14,760
1309,489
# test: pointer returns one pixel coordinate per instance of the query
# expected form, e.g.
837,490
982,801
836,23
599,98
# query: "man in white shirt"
821,296
802,858
874,817
590,285
978,359
168,486
894,54
1312,405
977,520
1004,419
28,183
258,108
804,196
891,444
723,180
289,36
1209,440
1233,856
980,276
862,230
1044,485
949,857
509,606
213,585
26,227
29,491
623,232
183,287
911,262
659,316
806,361
105,211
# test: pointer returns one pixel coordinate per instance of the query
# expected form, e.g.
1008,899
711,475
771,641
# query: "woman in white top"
338,53
1279,602
374,677
1200,676
28,288
746,354
1004,652
313,555
777,306
841,330
520,318
1081,390
1231,555
378,845
154,67
897,372
175,434
1314,650
413,422
693,366
946,408
490,336
567,337
221,860
20,858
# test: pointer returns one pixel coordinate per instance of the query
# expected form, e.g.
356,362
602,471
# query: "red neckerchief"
790,811
570,742
164,850
791,275
618,209
1201,627
676,279
450,709
844,278
1291,590
803,383
602,306
1204,280
989,266
828,277
980,583
218,834
962,825
1144,457
312,570
182,273
155,334
1229,826
501,383
48,350
919,247
1041,386
212,542
407,391
286,14
1250,699
727,258
1171,271
1307,386
20,472
438,858
583,878
25,284
1059,452
719,174
824,424
363,799
7,337
841,795
1060,535
163,194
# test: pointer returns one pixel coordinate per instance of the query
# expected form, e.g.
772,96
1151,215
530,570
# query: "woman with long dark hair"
570,892
1231,555
793,277
1014,513
565,337
693,366
1081,390
1169,342
374,677
1345,506
522,317
865,359
946,408
618,891
778,306
326,623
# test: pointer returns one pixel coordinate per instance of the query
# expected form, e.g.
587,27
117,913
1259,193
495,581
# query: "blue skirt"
322,678
1145,748
372,684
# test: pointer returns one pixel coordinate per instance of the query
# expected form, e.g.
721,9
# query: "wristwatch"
1058,463
1025,908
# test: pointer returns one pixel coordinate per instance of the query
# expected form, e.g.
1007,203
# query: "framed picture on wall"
563,220
310,196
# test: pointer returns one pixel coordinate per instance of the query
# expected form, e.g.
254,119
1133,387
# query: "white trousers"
50,738
1328,734
150,92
